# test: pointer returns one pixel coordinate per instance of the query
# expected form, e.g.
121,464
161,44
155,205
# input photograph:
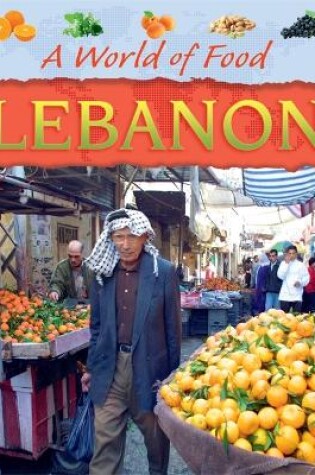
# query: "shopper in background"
71,278
180,272
309,290
260,285
255,266
295,277
135,339
273,283
210,271
248,272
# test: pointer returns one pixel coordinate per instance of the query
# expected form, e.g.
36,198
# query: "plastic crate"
185,323
217,320
234,314
246,306
207,321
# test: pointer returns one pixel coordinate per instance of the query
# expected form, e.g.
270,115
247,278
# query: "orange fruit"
292,415
301,349
244,444
147,19
230,414
248,422
297,385
305,328
155,30
286,356
241,379
229,402
274,452
214,418
5,32
287,439
308,401
187,403
311,382
186,382
251,362
25,32
200,406
172,398
311,423
268,417
15,18
276,334
264,354
277,396
258,375
305,451
168,22
215,401
259,389
4,327
307,437
199,421
230,428
280,380
298,367
229,364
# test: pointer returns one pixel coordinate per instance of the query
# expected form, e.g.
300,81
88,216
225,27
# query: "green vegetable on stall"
82,25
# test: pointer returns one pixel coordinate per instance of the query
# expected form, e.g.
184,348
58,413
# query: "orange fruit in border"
25,32
146,21
5,29
15,18
168,21
155,30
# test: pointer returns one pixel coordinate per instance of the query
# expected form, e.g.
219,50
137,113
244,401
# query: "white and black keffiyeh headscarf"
105,256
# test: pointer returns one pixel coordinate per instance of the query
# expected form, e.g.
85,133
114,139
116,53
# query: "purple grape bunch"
304,27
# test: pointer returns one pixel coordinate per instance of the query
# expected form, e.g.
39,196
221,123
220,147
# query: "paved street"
135,460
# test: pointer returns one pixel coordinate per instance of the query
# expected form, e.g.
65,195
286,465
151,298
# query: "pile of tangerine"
253,386
34,320
14,22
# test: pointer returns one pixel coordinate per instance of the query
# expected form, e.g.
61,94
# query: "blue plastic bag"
80,444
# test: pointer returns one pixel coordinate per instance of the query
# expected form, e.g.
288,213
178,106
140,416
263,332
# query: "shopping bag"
80,444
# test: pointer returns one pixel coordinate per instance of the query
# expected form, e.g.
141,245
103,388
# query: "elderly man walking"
135,339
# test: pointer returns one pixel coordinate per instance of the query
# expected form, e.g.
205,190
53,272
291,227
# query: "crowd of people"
284,282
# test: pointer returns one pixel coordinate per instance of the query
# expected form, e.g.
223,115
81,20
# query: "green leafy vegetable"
310,13
82,25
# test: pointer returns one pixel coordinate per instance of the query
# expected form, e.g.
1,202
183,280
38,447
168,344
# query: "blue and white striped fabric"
278,187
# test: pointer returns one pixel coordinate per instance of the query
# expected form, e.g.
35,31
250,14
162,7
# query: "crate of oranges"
246,399
34,327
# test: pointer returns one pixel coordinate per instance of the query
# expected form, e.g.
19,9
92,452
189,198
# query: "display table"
199,320
38,389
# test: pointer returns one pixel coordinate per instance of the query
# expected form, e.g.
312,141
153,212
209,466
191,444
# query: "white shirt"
289,273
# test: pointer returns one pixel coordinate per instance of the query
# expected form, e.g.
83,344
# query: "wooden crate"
28,409
75,340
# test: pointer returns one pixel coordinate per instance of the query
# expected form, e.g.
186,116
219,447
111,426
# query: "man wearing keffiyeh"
135,339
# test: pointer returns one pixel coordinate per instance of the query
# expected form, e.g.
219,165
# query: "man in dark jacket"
71,278
273,283
135,339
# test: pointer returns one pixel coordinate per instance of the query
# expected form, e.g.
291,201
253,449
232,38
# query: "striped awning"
279,187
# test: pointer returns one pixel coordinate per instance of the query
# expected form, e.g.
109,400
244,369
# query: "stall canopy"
279,187
20,196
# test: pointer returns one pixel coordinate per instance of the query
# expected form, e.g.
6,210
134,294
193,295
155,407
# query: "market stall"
40,344
216,304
